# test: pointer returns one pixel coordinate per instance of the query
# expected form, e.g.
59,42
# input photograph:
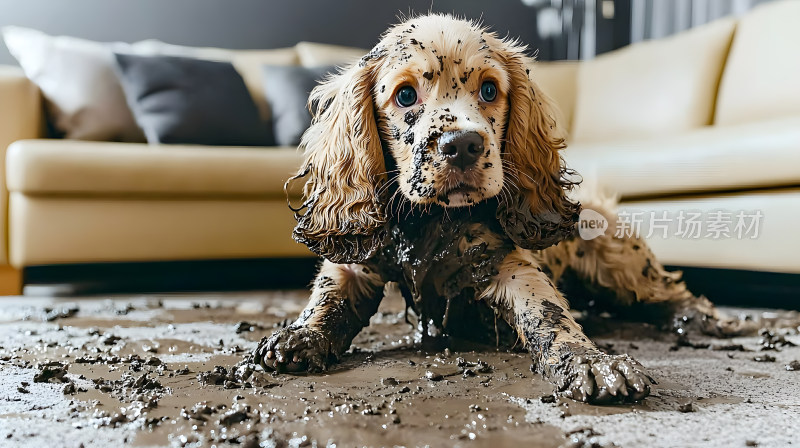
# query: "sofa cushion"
191,101
654,88
761,76
66,230
773,249
558,80
763,154
318,55
287,90
78,168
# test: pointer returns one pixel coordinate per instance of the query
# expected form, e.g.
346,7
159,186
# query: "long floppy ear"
539,213
342,217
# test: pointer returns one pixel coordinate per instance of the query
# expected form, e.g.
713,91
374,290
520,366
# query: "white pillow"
78,81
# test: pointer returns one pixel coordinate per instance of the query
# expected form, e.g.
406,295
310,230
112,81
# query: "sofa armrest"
20,118
20,107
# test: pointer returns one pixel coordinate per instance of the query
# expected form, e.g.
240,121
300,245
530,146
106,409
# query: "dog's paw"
295,349
688,321
600,378
698,316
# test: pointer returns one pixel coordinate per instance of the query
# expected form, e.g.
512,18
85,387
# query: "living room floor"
142,370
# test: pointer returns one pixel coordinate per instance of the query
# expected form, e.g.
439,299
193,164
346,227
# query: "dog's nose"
461,148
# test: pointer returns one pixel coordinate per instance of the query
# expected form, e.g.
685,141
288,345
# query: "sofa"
706,120
67,201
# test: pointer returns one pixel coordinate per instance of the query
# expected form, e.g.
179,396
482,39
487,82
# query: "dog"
434,163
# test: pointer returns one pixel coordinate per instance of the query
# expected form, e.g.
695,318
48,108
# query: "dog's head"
452,112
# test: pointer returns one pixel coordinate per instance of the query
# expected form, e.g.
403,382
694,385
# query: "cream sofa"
69,201
707,121
704,120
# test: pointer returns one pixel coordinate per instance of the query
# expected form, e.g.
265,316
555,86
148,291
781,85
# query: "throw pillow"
190,101
287,89
82,95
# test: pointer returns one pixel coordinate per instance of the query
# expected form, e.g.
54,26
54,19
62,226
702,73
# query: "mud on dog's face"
442,100
446,111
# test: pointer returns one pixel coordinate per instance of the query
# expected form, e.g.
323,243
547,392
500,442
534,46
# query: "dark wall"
614,32
250,23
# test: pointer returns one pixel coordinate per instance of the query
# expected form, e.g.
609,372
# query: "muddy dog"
434,162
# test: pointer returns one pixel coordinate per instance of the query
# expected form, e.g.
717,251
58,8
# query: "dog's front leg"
343,299
527,299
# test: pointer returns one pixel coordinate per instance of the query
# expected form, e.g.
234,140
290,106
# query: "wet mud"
175,372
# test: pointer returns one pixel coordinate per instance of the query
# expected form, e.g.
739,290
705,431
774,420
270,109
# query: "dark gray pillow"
287,89
190,101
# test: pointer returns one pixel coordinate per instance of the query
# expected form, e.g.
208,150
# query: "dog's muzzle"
462,149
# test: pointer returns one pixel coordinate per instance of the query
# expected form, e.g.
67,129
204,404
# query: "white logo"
591,224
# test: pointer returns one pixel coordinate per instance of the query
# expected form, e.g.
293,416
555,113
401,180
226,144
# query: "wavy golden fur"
344,164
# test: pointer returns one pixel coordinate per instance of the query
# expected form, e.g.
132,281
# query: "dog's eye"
488,91
406,96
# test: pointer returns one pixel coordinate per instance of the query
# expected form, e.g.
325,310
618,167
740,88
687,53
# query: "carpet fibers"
166,371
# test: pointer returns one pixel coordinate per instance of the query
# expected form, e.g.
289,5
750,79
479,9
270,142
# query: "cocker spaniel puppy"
434,163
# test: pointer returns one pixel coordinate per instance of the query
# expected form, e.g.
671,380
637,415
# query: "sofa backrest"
652,88
762,76
313,54
558,80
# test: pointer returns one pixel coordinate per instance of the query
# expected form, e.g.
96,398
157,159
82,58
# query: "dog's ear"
537,213
342,216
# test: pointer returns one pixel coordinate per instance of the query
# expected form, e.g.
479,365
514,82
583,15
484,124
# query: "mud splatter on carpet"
168,371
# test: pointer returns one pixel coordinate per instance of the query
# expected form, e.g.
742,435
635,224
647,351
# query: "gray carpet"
142,371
